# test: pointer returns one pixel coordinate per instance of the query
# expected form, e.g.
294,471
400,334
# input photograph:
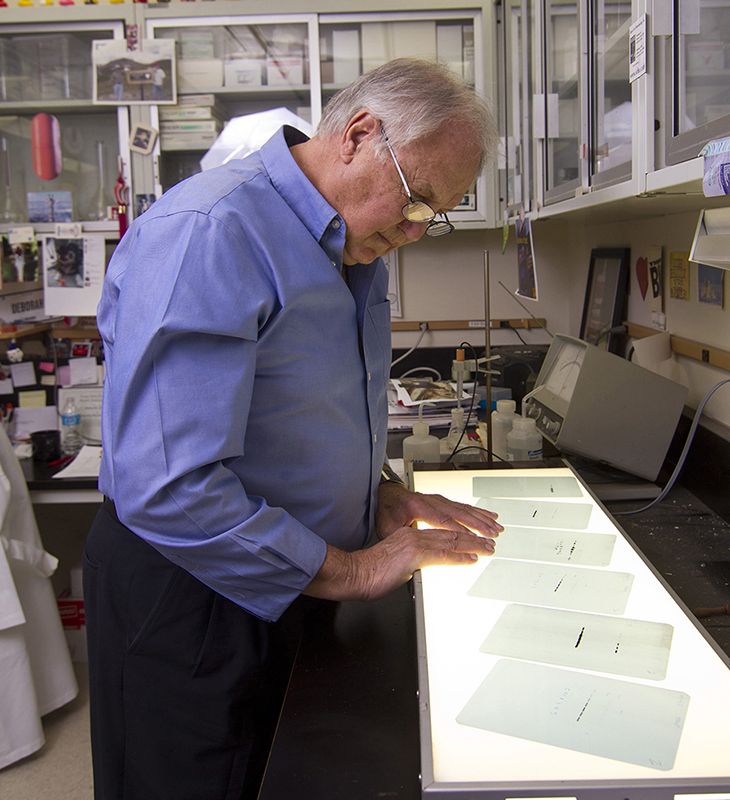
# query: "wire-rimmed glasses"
418,210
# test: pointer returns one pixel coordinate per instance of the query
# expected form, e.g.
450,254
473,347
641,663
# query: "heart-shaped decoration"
642,275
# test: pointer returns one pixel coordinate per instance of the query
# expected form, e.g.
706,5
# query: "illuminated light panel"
460,760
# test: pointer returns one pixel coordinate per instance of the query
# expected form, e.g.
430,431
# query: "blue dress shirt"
244,415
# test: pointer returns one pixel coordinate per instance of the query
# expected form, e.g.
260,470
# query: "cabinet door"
352,44
699,77
47,69
566,104
230,67
515,105
611,110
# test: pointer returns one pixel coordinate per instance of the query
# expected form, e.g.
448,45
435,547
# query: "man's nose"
413,230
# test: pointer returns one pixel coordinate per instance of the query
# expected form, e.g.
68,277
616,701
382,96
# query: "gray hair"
413,99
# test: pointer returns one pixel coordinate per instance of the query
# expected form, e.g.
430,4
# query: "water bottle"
71,440
524,441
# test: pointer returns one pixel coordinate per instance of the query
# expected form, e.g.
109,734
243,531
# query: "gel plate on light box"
530,486
595,590
577,711
619,646
539,513
564,547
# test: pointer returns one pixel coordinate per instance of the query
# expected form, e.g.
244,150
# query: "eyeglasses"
417,210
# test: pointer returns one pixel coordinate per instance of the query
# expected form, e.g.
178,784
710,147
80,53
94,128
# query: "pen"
61,461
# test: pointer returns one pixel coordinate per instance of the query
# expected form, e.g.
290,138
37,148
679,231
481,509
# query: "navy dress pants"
186,687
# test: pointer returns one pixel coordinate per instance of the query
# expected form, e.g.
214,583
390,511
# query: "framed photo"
144,75
142,139
603,310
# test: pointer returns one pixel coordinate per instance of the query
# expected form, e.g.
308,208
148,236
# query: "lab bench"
350,722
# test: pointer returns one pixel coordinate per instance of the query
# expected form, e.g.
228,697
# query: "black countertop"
39,477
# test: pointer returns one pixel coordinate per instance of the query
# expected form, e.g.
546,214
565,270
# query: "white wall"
443,279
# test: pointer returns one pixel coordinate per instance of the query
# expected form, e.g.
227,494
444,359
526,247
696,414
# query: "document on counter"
85,465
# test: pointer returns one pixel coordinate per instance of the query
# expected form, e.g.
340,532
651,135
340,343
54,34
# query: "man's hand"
399,507
463,533
378,570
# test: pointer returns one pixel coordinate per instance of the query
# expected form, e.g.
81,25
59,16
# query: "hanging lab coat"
36,673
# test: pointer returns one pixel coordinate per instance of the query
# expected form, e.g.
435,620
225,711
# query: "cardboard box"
200,73
244,72
285,71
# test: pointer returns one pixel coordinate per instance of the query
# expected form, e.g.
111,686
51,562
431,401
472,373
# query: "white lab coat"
36,673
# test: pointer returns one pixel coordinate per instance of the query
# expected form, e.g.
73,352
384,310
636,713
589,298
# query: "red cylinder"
45,138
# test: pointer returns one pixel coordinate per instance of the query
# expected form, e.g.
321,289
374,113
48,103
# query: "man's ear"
361,128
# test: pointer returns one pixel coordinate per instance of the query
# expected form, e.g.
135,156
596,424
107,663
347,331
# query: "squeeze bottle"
421,447
502,420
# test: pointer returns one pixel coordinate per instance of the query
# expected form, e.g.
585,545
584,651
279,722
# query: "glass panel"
518,96
47,66
563,87
611,87
349,49
249,69
702,65
269,60
89,150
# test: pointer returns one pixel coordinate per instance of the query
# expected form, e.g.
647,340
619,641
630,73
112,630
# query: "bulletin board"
562,666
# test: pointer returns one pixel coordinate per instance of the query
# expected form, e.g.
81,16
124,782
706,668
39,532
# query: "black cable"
471,405
682,457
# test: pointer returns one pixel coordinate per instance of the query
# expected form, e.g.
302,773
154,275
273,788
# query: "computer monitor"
592,403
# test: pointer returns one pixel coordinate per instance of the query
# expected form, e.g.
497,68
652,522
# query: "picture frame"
606,291
142,139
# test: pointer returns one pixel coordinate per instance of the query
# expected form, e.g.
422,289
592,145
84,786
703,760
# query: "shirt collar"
318,216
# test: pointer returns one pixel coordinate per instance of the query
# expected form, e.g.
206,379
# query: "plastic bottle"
524,441
502,420
451,440
71,440
421,447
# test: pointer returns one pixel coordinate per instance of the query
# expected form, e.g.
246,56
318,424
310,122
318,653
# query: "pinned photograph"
144,75
142,139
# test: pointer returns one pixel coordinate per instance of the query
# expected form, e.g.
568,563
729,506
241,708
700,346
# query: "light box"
564,666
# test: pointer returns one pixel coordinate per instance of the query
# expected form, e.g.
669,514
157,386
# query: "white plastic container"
502,420
421,447
524,441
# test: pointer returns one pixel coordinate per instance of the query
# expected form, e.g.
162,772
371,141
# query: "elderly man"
247,340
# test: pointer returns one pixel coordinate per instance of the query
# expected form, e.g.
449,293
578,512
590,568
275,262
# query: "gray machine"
592,403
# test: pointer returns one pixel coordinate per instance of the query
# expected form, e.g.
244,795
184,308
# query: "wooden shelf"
465,324
707,354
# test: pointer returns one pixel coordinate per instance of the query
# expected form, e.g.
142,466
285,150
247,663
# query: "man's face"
438,172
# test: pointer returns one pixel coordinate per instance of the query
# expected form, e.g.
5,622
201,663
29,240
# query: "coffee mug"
46,445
